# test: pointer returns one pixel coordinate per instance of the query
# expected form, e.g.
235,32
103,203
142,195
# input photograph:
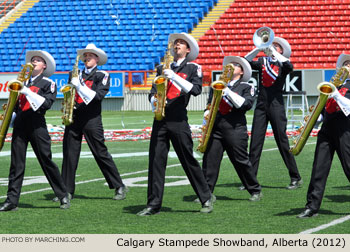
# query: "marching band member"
185,79
29,125
334,136
230,132
92,85
273,71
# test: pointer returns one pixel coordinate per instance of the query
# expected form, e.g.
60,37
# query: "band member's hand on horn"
84,92
76,82
34,99
343,102
184,84
235,98
205,115
154,102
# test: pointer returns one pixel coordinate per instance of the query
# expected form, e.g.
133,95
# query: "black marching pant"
93,132
179,134
277,117
329,141
41,143
233,140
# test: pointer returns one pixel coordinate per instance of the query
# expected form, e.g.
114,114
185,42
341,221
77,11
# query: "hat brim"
341,59
192,43
102,56
287,50
247,70
50,61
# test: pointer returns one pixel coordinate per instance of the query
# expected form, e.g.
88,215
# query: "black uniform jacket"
99,81
267,95
175,109
236,116
25,115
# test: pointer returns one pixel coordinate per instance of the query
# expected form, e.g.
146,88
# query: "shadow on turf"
27,206
191,198
297,211
50,196
138,208
342,187
237,185
338,198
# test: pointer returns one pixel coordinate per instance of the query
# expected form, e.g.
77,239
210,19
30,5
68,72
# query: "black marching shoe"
65,203
295,184
7,206
120,193
307,213
208,206
56,199
148,211
256,196
198,201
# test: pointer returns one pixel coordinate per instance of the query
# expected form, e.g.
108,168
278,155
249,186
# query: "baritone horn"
263,37
325,88
14,86
218,87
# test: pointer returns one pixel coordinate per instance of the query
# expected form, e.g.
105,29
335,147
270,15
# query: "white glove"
268,51
170,74
343,102
252,54
235,98
154,102
184,84
35,100
25,91
206,113
76,82
12,119
84,92
335,95
277,55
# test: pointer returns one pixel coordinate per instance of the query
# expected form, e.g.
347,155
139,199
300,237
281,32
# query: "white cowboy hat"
93,49
192,43
341,59
49,60
287,50
247,70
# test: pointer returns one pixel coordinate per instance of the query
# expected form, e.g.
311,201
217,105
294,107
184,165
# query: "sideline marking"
324,226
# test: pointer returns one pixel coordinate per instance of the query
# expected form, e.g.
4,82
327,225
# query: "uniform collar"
88,71
32,79
232,83
178,63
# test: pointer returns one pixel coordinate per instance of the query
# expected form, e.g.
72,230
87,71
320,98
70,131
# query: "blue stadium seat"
143,29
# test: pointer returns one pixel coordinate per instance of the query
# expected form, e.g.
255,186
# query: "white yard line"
88,181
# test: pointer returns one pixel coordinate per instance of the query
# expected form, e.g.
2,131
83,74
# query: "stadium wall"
137,100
